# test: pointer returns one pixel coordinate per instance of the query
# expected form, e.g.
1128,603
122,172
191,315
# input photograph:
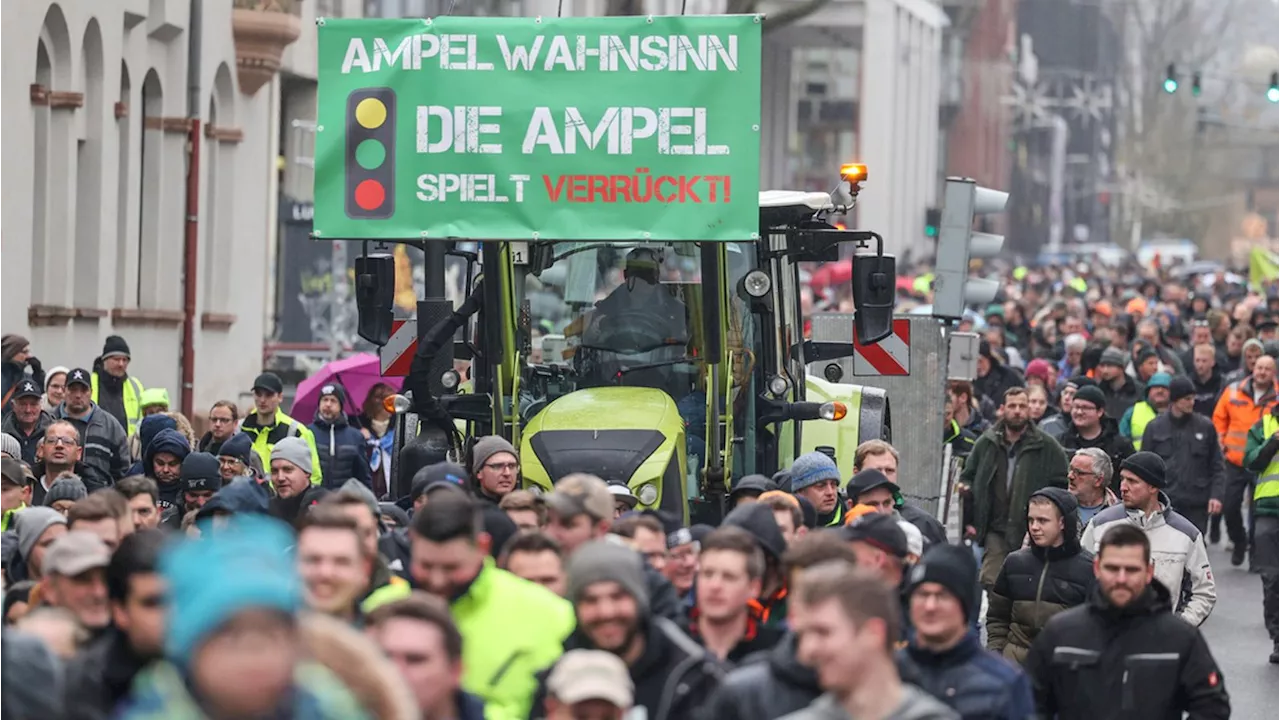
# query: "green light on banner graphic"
503,128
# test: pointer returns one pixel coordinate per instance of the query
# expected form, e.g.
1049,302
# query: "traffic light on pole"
932,219
958,243
1273,90
1195,84
370,153
1171,79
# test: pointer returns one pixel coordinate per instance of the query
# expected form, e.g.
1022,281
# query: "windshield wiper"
649,366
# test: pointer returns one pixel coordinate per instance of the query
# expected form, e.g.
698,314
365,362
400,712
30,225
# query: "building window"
88,210
51,137
124,266
150,212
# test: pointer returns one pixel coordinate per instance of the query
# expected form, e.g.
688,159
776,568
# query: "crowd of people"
265,569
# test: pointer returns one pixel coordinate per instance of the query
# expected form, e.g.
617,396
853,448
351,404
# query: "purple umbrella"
356,374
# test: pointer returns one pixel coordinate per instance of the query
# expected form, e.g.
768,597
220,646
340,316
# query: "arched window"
88,212
150,177
219,205
51,133
126,269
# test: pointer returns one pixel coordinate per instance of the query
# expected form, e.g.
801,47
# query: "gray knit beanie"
488,446
604,561
295,450
32,523
10,446
67,487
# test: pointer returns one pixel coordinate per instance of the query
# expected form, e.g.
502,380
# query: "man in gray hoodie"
847,620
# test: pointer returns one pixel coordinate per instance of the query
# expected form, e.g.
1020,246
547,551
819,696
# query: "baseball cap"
269,382
582,675
581,493
27,388
879,531
622,493
79,376
13,472
441,473
76,552
869,480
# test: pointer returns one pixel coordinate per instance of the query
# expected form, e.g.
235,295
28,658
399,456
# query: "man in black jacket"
1206,379
776,683
1124,654
1188,444
1040,581
101,675
672,674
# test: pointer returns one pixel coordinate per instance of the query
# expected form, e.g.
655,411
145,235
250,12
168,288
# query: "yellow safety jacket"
511,629
838,520
1269,481
7,519
1143,413
132,400
265,438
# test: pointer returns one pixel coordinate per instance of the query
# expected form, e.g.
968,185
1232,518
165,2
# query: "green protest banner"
604,128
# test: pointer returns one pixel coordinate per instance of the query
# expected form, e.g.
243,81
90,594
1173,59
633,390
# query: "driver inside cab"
665,318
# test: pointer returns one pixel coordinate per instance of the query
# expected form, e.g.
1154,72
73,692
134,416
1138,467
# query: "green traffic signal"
1171,79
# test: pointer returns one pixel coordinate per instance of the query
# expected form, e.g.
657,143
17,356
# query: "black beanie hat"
1180,387
200,471
1146,353
1146,465
115,345
954,568
1091,394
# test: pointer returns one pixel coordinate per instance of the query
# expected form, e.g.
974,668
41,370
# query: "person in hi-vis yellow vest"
268,425
1136,418
113,389
1260,456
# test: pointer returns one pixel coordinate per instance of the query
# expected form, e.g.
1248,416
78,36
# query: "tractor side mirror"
874,280
375,293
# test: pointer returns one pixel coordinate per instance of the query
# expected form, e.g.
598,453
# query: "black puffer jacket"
1037,583
1139,662
766,686
1121,398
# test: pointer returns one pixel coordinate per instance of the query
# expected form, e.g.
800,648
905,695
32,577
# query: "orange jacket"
1235,414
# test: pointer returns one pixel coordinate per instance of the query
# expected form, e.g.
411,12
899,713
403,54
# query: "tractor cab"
669,367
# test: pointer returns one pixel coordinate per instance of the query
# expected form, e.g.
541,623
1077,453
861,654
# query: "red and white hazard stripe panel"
890,356
397,355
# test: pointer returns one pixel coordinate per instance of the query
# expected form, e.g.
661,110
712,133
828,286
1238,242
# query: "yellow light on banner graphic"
371,113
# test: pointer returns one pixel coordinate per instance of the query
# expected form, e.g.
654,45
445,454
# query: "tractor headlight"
757,284
648,494
451,380
778,386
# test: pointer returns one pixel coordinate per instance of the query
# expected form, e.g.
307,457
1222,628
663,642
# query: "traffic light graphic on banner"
370,153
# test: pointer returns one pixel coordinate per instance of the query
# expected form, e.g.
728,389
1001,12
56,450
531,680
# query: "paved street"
1239,641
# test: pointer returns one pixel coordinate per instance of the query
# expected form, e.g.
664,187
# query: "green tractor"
671,367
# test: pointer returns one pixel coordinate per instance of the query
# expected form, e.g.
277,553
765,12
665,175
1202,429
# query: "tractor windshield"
614,314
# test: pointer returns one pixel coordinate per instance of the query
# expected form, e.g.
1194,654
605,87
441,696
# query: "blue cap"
811,469
247,565
1160,379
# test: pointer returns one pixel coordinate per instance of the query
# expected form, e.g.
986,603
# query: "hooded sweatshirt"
150,426
1036,583
175,443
